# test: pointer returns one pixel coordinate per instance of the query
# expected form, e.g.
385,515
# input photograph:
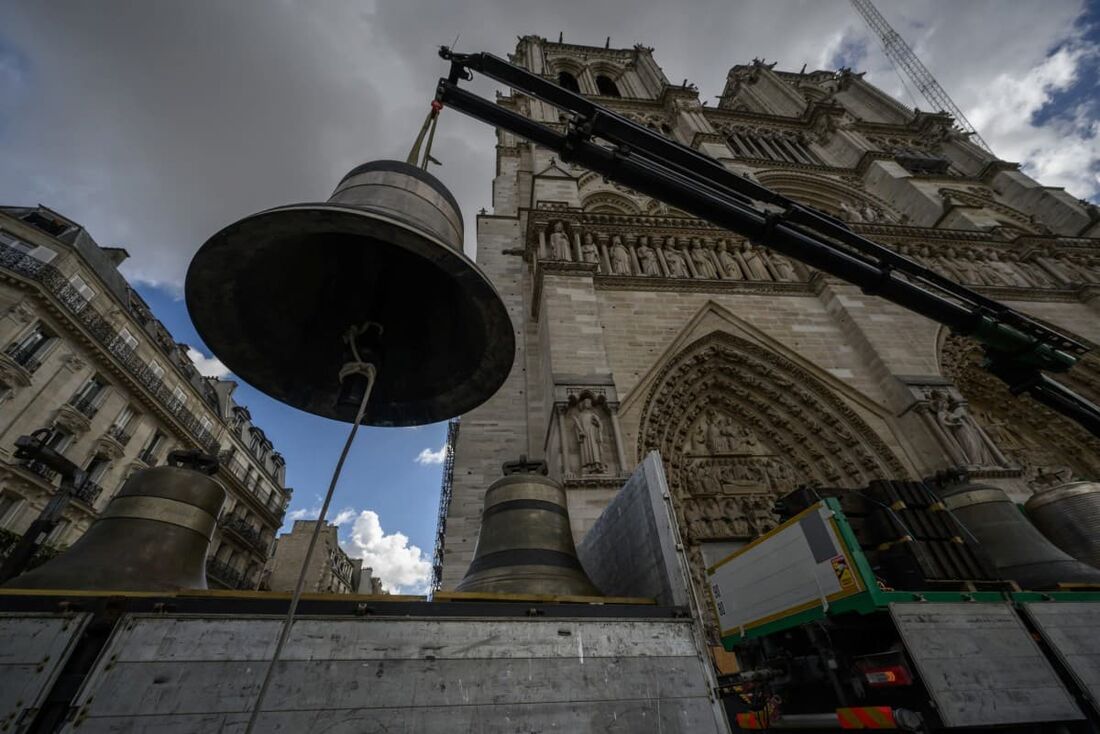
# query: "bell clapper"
357,378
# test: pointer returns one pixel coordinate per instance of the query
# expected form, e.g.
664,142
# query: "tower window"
568,81
606,86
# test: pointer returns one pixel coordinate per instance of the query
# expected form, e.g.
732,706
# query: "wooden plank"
981,666
669,716
33,648
132,689
385,638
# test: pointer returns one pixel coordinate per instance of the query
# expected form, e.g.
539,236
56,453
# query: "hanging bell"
152,536
526,545
1069,515
1020,552
274,294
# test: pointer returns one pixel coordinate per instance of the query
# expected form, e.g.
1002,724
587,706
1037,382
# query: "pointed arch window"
606,86
568,81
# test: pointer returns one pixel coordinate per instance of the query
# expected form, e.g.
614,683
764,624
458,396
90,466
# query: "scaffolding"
444,503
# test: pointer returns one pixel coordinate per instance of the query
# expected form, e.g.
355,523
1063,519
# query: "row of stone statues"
1006,268
671,257
716,518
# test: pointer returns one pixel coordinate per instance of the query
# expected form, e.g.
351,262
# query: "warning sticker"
843,572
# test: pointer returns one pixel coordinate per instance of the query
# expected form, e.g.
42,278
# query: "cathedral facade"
641,328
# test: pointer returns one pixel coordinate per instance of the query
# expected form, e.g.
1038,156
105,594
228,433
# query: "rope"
355,367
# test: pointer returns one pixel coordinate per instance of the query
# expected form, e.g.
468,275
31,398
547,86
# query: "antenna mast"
903,58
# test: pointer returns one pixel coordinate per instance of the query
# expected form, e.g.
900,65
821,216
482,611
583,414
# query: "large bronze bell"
1020,552
152,536
273,295
526,545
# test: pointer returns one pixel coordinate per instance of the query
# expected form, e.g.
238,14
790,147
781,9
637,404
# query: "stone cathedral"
639,327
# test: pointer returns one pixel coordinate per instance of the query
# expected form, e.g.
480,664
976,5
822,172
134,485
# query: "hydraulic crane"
1017,349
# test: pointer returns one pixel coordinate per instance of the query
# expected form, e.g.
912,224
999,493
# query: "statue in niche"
704,266
784,270
559,243
951,415
708,434
647,258
755,266
1082,267
589,252
964,266
675,260
991,273
1007,268
620,257
727,263
1031,273
589,433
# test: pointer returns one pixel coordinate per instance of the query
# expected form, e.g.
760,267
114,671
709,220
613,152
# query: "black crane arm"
1017,348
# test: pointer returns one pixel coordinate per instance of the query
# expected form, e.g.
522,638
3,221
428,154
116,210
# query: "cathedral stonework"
642,328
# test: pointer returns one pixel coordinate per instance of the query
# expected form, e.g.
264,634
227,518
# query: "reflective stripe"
866,717
750,720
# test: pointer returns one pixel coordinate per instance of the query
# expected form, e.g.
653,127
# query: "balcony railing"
88,493
245,531
149,455
41,470
224,574
105,334
28,357
119,434
85,405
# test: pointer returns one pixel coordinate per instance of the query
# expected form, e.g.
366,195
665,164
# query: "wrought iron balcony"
28,357
119,434
85,405
88,493
244,531
41,470
224,574
80,311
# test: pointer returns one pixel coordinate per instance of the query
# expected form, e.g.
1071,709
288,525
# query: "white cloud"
303,513
427,456
207,366
403,568
343,517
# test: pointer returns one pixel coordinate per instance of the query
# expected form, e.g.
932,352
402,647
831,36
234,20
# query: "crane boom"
906,61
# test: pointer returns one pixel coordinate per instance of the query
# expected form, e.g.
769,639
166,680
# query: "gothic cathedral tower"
639,327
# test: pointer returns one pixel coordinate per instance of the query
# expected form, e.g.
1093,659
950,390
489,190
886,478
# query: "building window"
568,81
157,370
125,343
35,252
606,86
90,396
124,417
207,424
97,467
82,293
59,439
179,397
149,453
29,351
54,538
47,224
10,502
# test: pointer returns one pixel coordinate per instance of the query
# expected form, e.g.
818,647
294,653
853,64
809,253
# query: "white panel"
1072,629
33,648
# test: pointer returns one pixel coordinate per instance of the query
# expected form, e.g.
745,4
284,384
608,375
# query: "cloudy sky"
156,123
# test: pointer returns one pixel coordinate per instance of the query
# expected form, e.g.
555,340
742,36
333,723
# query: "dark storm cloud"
156,123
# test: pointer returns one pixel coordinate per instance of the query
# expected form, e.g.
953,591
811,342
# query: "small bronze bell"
274,294
152,536
526,545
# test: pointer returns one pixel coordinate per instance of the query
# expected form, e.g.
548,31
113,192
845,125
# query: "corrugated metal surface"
981,666
33,647
1072,629
176,674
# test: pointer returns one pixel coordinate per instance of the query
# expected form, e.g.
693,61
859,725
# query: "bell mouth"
273,294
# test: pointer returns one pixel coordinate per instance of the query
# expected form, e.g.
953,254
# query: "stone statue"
990,272
589,433
951,414
589,252
783,268
620,257
559,243
869,213
1007,266
675,261
647,258
704,266
727,263
754,263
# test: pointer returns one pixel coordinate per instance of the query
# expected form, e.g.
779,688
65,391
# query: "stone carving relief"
947,416
1048,448
855,211
738,426
588,431
989,266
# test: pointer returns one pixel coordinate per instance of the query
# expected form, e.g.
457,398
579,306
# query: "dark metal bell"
1020,552
526,545
152,536
273,295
